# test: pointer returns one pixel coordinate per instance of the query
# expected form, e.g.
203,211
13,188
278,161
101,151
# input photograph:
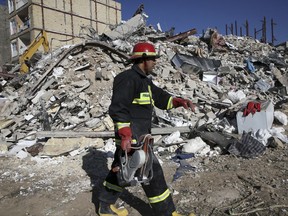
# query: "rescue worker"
134,96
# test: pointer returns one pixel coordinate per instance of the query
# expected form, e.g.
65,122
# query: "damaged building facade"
4,35
63,21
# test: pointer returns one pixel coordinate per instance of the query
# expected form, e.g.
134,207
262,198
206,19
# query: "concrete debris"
67,95
56,146
281,117
195,146
276,143
127,29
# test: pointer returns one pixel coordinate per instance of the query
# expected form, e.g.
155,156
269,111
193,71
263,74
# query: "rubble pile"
70,89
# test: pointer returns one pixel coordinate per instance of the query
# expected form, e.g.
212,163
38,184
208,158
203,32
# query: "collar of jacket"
138,70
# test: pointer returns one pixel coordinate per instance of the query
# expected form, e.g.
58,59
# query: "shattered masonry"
69,90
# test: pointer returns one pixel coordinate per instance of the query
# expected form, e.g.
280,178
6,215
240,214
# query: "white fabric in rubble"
281,117
236,96
262,135
109,148
58,72
196,146
277,131
173,138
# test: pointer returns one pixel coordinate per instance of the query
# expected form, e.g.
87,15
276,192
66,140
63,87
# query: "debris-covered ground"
217,185
227,158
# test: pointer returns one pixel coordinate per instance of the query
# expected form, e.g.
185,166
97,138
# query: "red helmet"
143,50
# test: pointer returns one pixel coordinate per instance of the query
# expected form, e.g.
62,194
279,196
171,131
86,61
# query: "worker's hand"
126,138
187,104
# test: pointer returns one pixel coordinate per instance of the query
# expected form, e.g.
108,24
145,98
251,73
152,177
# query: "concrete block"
260,120
108,122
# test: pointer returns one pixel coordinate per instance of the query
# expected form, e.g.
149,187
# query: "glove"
187,104
126,138
252,108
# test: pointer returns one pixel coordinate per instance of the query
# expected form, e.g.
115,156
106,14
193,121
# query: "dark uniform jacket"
134,96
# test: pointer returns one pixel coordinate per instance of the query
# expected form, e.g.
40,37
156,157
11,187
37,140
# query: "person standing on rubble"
134,96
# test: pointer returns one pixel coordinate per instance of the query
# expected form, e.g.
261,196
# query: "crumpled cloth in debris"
182,169
262,85
262,135
281,117
278,132
182,156
247,147
250,66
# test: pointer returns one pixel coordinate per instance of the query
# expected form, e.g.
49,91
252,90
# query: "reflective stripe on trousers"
159,198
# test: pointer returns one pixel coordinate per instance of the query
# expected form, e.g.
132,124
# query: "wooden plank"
181,36
106,134
69,134
169,130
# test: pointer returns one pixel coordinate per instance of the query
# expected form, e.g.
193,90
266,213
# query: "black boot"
106,209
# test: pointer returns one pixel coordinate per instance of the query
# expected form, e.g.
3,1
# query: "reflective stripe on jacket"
134,96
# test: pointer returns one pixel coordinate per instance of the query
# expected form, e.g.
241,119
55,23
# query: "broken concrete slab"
4,123
58,146
126,29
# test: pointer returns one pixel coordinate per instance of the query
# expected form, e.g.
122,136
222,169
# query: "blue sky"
201,14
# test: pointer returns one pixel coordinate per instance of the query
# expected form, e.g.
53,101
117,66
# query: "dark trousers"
156,188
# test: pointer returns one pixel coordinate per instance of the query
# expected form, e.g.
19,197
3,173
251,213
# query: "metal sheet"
191,64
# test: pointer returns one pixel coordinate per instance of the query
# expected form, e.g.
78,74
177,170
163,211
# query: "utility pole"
231,28
272,31
256,32
226,29
264,38
247,28
236,31
241,31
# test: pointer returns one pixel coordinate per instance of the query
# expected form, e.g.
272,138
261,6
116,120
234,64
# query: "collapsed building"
238,84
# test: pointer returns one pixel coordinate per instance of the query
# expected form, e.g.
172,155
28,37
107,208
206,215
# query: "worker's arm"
123,95
161,98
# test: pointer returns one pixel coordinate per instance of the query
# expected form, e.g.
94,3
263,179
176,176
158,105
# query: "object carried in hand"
136,167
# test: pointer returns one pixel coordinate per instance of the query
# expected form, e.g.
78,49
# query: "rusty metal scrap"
7,75
183,35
